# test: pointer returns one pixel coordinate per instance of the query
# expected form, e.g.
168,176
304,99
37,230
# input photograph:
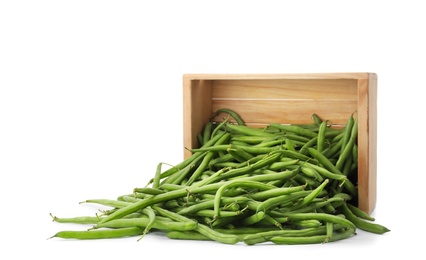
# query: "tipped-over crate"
261,99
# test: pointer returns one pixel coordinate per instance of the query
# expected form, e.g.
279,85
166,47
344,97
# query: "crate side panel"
367,145
343,89
263,112
197,110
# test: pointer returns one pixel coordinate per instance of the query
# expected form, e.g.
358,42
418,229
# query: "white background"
91,102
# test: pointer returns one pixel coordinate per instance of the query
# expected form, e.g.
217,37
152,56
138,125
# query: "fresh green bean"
147,190
187,235
323,217
295,129
347,150
282,199
207,131
230,112
359,213
321,136
312,239
263,195
253,219
239,183
77,220
246,130
217,236
99,234
107,202
363,224
278,166
143,222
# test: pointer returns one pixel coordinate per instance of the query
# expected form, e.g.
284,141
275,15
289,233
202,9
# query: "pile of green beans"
281,184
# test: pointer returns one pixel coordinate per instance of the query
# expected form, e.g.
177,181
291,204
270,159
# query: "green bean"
99,234
275,201
239,183
307,223
225,158
243,231
329,231
151,220
216,236
349,146
143,222
187,235
311,172
261,237
263,195
156,181
260,150
304,149
223,213
246,130
147,190
180,175
230,112
311,239
289,145
324,172
270,143
268,159
295,129
207,160
219,127
211,178
283,164
321,136
300,140
215,148
324,161
363,224
77,220
209,204
274,221
207,131
200,139
359,213
347,132
253,140
323,217
314,193
107,202
317,120
190,159
130,199
226,222
253,219
239,155
333,150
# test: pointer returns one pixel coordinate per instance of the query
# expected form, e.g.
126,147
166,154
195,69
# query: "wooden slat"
286,89
367,143
197,102
288,111
272,76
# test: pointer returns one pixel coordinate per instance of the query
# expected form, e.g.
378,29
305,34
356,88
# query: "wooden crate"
290,99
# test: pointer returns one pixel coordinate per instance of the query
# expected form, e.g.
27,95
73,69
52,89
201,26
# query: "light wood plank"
288,111
197,110
286,89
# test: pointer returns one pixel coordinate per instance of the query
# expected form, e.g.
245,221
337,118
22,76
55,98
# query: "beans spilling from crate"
282,184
